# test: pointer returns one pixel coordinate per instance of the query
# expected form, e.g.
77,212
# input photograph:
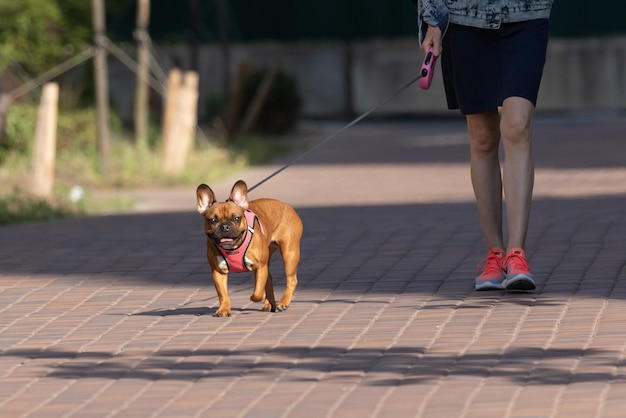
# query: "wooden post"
181,129
143,71
102,85
173,89
45,143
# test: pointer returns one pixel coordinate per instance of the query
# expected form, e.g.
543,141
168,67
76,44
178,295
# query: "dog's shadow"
197,311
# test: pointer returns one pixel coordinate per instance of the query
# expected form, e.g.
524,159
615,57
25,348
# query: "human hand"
432,39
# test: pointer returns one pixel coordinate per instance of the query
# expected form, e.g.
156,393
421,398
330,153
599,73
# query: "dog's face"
224,222
225,225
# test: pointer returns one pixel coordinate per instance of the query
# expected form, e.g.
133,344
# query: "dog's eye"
212,221
236,219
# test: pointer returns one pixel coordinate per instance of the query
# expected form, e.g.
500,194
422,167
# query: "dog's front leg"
261,282
270,301
220,280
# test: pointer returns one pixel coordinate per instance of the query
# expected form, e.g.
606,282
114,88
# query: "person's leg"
518,167
484,133
518,178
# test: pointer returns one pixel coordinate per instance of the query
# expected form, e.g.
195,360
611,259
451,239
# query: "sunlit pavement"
112,315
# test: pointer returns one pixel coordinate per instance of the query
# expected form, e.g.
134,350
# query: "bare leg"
484,132
518,167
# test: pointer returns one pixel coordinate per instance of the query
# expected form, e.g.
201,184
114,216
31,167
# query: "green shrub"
76,130
17,208
130,165
281,109
213,106
20,131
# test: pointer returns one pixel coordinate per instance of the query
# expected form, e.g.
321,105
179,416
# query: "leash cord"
354,122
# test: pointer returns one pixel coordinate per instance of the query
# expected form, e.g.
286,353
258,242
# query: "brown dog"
242,235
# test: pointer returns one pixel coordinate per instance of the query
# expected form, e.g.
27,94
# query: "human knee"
485,141
515,129
516,120
484,132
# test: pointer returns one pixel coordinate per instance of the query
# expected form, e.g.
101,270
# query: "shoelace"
490,264
517,262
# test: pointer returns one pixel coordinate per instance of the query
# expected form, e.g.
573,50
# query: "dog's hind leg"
291,259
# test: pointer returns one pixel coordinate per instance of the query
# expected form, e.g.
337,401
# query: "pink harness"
236,259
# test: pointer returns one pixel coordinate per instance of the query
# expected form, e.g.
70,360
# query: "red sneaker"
518,275
492,276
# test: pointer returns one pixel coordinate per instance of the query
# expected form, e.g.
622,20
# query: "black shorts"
482,67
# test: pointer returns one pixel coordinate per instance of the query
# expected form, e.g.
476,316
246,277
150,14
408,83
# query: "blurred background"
349,55
156,93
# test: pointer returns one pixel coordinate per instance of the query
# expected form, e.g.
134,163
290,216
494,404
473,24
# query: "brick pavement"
111,316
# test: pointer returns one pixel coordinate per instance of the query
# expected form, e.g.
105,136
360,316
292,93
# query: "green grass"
17,208
130,166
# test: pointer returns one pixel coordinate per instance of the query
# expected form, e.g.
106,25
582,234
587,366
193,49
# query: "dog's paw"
220,314
281,308
267,307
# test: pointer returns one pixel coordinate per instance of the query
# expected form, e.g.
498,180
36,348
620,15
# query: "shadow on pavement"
409,365
574,245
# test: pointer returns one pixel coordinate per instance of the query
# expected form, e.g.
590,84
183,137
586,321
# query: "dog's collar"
236,258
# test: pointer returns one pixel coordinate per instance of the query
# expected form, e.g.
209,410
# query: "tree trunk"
102,85
143,72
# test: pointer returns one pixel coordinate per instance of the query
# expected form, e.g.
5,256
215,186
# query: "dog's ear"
205,196
239,194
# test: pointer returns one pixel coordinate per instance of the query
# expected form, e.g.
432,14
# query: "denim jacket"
488,14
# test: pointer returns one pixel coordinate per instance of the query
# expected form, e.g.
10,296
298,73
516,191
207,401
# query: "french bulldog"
242,235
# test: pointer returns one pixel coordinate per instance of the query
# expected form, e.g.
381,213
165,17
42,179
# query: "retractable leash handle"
428,69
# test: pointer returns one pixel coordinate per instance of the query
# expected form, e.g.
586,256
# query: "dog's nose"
225,227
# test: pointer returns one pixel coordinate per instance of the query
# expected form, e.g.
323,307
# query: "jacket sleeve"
431,12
